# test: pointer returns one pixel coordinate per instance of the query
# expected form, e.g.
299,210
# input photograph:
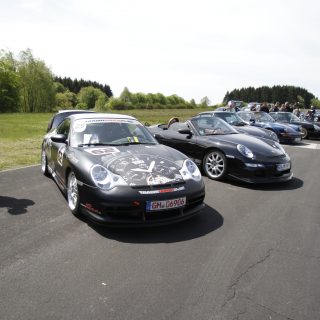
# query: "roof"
101,116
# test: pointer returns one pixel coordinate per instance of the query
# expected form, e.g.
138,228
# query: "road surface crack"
235,283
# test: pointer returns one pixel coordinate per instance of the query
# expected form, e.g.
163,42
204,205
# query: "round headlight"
245,151
190,170
100,176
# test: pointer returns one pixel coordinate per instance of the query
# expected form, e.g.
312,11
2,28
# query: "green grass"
21,134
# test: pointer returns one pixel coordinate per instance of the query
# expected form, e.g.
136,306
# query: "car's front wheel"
73,194
215,165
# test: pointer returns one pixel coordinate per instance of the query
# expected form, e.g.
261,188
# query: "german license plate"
297,139
283,166
165,204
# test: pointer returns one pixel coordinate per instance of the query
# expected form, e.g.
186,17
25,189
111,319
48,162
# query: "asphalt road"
254,253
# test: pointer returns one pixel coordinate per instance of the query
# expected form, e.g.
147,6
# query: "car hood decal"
141,165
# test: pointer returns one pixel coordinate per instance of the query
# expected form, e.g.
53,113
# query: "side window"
64,127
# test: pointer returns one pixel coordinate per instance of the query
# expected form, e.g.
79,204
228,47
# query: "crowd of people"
277,107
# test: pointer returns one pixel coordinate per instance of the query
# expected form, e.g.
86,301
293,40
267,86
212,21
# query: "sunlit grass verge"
21,134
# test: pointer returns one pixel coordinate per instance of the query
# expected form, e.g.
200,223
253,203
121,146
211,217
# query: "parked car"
61,115
286,133
234,120
222,151
113,171
308,129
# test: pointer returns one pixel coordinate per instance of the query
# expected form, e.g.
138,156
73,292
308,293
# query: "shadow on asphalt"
293,184
15,206
205,222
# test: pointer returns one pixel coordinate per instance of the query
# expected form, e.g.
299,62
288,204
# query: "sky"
194,49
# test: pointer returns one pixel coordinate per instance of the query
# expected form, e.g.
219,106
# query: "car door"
58,150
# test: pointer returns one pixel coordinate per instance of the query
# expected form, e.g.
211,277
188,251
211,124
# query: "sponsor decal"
89,207
161,190
102,151
143,169
80,126
61,152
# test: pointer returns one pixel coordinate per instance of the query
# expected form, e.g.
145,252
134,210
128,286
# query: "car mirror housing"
60,138
185,131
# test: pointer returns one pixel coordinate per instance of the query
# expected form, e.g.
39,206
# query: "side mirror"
60,138
186,131
252,121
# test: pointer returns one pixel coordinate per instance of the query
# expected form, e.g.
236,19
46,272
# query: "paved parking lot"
254,253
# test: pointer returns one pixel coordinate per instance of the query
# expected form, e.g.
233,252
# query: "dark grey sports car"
113,170
221,150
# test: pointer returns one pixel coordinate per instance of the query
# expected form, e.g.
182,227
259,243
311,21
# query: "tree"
37,91
9,84
205,102
89,96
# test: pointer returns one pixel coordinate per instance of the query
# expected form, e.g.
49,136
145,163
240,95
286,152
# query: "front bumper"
126,206
267,172
290,138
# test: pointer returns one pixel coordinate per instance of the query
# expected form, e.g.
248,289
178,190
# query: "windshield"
211,126
263,117
116,132
287,117
231,118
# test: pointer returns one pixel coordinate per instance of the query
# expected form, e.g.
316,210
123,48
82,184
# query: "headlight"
245,151
105,179
190,170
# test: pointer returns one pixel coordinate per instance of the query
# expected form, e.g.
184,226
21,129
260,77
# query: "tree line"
28,85
272,94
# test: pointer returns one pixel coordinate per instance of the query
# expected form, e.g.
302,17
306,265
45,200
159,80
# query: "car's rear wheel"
215,165
73,194
44,163
304,133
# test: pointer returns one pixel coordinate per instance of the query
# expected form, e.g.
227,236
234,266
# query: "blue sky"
189,48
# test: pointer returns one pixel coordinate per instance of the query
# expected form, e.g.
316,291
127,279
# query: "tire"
73,194
304,132
44,163
215,165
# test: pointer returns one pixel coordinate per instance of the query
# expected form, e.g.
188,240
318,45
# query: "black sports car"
113,170
309,130
221,150
234,120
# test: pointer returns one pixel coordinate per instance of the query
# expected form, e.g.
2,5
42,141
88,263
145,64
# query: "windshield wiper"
132,143
96,144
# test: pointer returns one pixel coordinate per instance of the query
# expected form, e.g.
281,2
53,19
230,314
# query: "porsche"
112,170
221,151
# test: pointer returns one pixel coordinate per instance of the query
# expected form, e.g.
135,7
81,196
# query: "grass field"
21,134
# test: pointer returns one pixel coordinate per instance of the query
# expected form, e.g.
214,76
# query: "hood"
291,127
265,148
252,130
141,165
